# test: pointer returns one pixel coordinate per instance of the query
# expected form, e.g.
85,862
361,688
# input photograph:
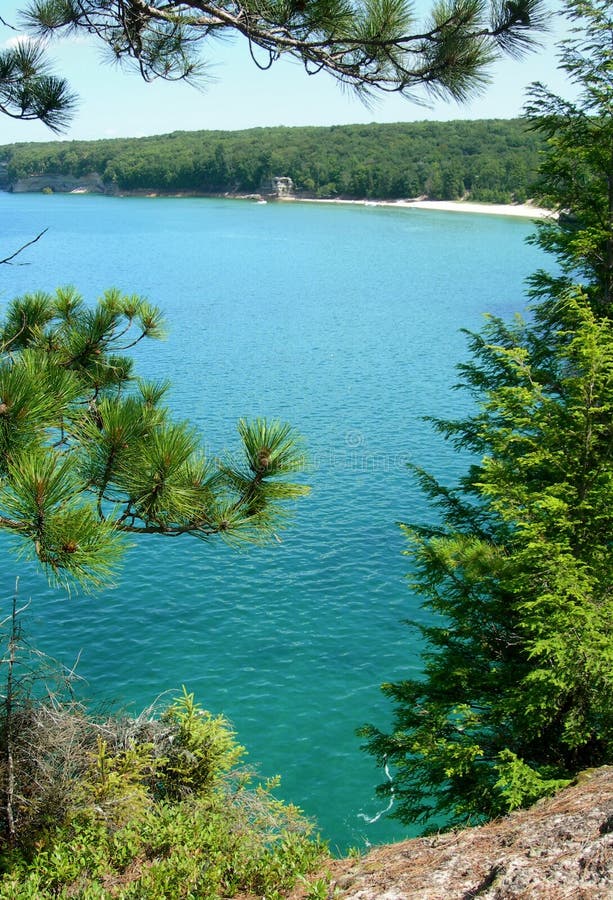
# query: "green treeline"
490,160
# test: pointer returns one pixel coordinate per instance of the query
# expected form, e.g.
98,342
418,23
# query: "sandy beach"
521,210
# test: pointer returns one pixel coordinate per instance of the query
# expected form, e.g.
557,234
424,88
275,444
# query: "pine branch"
371,47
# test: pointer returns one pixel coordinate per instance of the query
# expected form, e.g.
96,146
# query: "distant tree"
491,159
89,454
369,46
517,693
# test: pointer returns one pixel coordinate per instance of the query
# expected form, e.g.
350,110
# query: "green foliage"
155,806
28,90
518,682
519,785
320,890
89,453
517,692
578,169
488,160
203,749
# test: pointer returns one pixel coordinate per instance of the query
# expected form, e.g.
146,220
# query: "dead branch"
9,259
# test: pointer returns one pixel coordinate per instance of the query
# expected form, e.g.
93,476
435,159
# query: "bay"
344,321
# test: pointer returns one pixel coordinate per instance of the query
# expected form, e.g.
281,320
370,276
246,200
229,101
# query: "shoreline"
518,210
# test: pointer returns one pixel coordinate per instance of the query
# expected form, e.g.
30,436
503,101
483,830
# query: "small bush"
156,806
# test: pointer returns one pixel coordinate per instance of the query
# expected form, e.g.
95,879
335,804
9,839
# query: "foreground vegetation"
494,160
161,805
517,692
90,454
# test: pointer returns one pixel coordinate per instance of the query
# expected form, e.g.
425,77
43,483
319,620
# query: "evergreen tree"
577,174
370,46
89,453
28,89
517,692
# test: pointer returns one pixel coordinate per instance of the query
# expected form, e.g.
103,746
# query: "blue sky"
116,103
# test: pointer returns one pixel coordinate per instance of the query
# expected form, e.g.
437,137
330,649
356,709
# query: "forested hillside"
493,160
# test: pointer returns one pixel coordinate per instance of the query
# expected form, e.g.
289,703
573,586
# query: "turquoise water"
344,321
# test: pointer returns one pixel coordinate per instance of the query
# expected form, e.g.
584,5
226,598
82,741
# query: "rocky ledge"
559,849
61,184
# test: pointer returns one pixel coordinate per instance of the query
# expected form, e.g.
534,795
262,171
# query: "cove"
344,321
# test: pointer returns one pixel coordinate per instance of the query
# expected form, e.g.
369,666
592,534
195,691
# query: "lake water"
345,322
